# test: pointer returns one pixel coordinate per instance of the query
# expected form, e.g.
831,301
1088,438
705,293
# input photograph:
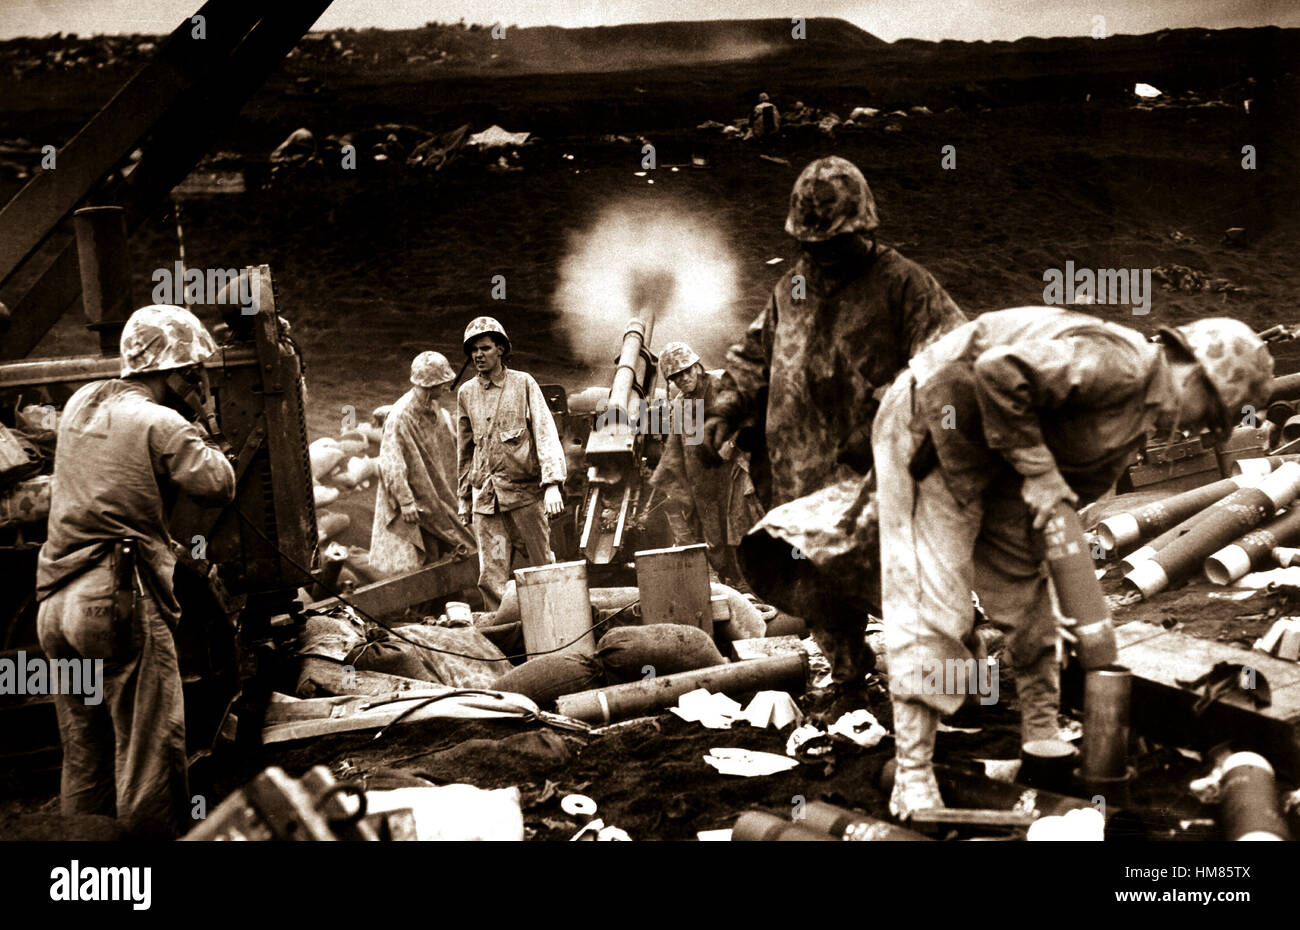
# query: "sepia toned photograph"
651,421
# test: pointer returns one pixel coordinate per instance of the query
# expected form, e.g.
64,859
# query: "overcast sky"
889,19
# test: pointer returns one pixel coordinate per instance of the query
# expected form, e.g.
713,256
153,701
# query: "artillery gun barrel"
630,374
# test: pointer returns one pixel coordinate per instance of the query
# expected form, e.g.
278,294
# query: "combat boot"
915,787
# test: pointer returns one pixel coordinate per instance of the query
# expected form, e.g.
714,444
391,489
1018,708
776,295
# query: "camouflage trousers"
125,755
495,535
685,527
934,552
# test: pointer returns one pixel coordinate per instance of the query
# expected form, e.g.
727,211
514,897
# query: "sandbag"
325,456
508,612
628,653
331,636
353,442
456,671
372,434
746,621
545,678
329,525
26,502
359,562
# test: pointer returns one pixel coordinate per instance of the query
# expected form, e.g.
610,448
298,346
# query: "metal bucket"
555,609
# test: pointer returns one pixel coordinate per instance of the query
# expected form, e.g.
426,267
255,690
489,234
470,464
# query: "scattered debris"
774,709
861,727
456,812
808,742
1282,640
748,762
1086,824
1182,278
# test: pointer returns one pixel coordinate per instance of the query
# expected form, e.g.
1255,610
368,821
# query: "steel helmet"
431,369
161,337
1236,362
481,325
676,357
830,197
763,98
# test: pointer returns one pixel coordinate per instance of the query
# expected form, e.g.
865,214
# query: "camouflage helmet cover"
676,358
429,369
1236,362
162,337
481,325
830,198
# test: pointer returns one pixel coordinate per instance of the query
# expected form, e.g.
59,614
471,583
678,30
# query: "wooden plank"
349,714
1163,710
391,596
1171,656
320,677
182,63
1136,632
973,817
674,586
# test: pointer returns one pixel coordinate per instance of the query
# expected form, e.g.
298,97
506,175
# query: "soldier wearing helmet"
416,502
837,329
510,460
766,119
708,504
976,442
104,575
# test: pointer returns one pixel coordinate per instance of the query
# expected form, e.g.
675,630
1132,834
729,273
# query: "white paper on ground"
860,727
1230,595
774,709
748,762
714,836
801,736
455,812
1004,770
718,712
1071,732
1083,824
715,711
1289,577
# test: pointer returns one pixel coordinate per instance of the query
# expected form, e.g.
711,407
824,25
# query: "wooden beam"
393,595
177,141
325,677
1162,709
182,62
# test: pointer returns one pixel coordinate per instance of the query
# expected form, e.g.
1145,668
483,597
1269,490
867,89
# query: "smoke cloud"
634,256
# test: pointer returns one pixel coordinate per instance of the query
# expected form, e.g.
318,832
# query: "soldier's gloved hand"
553,500
467,518
1043,492
716,432
410,513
